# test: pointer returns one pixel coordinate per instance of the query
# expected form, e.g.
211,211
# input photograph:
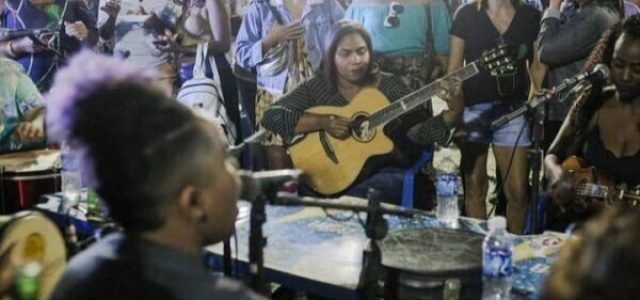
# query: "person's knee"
476,183
516,189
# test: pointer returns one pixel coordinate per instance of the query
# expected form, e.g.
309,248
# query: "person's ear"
192,204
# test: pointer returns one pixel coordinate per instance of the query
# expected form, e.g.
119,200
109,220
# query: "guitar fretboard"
419,97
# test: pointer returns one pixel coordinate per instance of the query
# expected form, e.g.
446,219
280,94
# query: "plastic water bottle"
70,174
26,283
447,210
497,266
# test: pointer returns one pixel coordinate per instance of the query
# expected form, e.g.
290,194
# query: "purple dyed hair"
86,73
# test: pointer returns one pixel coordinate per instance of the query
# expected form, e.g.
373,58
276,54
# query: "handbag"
204,95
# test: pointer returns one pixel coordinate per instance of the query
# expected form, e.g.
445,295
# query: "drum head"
432,250
36,239
30,161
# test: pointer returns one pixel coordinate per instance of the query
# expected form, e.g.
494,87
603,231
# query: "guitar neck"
592,190
419,97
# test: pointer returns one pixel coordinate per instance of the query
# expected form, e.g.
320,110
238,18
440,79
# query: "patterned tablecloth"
311,251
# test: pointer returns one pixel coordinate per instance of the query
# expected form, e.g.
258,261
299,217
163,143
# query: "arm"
83,26
7,49
30,105
439,129
287,117
560,46
456,99
220,26
537,71
580,119
107,18
248,45
251,46
440,25
456,55
220,30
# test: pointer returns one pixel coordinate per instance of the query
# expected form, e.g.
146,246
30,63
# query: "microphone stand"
236,151
536,155
257,241
376,228
535,114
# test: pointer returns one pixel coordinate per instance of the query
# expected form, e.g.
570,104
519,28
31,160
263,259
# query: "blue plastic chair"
410,175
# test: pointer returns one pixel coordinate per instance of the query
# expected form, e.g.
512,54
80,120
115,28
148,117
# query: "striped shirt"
283,116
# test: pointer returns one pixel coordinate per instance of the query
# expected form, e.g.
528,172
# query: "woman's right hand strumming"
337,126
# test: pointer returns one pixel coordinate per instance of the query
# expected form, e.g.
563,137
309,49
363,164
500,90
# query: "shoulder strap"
216,77
199,68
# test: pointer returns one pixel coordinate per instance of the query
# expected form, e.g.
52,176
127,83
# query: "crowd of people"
122,63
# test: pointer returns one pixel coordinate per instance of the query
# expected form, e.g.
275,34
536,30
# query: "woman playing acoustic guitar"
346,70
603,127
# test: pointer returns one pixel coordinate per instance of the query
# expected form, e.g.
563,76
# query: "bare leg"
474,170
515,185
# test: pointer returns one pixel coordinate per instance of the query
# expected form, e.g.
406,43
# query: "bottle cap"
498,222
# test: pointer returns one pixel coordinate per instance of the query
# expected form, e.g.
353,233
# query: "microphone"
255,184
255,138
600,73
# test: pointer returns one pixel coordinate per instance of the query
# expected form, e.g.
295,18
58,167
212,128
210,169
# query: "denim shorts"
477,119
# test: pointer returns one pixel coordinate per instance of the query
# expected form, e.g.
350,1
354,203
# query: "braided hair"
587,104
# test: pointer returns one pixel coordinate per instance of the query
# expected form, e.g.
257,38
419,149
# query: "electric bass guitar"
332,165
593,190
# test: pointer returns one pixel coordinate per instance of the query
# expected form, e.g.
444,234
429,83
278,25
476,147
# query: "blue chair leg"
409,178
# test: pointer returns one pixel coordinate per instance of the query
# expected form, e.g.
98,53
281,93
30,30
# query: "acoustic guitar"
332,165
593,190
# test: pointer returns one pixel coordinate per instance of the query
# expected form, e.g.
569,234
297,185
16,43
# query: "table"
308,251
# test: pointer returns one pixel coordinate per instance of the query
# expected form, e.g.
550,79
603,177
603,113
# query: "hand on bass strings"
337,126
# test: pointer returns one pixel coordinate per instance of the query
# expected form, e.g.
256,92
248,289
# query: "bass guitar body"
591,192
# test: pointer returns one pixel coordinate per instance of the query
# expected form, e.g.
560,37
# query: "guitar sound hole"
360,128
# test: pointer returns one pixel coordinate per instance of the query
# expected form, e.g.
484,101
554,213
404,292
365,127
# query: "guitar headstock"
497,59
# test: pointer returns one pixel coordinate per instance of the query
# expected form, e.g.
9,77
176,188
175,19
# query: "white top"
131,38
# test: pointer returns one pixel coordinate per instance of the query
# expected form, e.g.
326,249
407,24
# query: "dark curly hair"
586,105
601,262
139,147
